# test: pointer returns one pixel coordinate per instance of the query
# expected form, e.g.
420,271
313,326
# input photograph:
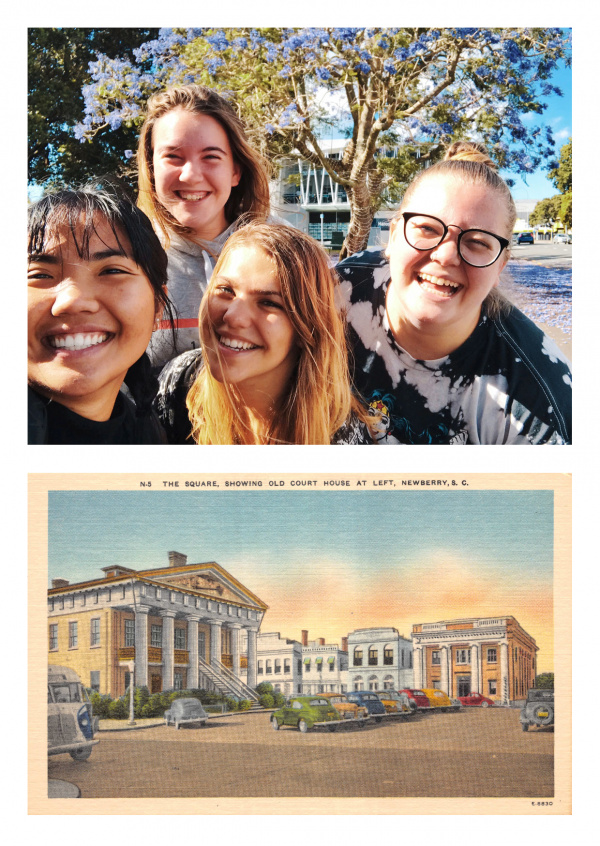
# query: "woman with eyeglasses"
455,362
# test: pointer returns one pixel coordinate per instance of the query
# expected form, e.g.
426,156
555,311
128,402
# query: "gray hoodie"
189,270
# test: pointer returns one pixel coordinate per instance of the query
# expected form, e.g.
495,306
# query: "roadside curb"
123,725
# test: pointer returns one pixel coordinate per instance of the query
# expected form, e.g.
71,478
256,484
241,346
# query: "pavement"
151,722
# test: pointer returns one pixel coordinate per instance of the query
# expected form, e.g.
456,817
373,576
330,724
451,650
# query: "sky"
331,562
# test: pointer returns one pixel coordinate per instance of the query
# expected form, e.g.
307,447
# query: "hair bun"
469,151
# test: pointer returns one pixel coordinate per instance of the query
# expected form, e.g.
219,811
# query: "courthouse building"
493,656
178,627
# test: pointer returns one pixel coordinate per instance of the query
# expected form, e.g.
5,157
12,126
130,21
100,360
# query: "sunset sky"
331,562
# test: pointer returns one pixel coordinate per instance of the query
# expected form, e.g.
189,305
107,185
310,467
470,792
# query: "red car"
418,697
476,699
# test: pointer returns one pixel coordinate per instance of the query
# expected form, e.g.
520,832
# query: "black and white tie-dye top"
507,384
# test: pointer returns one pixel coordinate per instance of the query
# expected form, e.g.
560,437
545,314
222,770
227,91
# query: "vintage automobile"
185,710
397,704
418,697
370,701
538,709
440,700
349,710
307,712
476,700
71,724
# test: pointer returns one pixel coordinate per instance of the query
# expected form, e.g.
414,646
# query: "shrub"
245,704
118,710
279,700
264,687
266,700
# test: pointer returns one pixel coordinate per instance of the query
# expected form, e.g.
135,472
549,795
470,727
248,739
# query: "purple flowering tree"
413,90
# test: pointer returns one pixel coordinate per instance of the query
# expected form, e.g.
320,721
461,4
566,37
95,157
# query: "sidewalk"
151,722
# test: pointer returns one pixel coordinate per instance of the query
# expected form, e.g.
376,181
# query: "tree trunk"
362,212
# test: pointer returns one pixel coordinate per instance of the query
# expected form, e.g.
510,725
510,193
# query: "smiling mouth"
236,345
188,197
78,341
445,287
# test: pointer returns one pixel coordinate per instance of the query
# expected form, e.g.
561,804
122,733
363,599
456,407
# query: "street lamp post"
131,693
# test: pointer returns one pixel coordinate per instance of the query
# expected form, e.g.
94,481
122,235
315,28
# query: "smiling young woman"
96,276
434,343
273,366
197,176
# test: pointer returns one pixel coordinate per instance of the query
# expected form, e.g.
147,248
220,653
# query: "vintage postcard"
324,644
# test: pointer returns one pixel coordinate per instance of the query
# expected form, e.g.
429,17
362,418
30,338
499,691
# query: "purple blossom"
323,74
218,41
362,67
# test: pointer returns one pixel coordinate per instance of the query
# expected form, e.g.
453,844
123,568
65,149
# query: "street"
543,252
472,753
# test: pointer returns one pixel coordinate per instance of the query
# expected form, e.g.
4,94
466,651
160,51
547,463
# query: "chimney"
321,641
344,644
304,637
58,583
177,559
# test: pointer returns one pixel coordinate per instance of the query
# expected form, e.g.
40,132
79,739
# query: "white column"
215,642
192,642
417,666
168,649
504,689
235,650
475,668
252,658
444,669
141,645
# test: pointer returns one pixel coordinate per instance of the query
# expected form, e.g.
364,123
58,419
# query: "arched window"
358,683
373,683
372,656
388,654
388,683
358,656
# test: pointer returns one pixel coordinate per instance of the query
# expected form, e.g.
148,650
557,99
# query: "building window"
373,683
388,683
178,681
299,666
259,668
463,656
372,657
202,644
73,635
95,631
492,690
331,665
277,665
492,656
179,639
287,665
388,655
358,656
269,667
435,657
95,680
358,683
156,636
129,632
53,639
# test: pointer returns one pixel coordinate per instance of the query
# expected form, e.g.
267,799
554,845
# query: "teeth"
435,280
78,341
237,345
199,196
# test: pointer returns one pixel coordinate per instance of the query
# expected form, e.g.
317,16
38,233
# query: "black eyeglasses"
475,246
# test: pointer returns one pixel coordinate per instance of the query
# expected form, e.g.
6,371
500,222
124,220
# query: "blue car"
525,238
371,702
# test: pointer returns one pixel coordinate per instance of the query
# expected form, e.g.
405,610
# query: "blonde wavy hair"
319,399
250,197
470,161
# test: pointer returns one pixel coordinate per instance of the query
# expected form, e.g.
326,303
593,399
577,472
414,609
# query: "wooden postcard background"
41,484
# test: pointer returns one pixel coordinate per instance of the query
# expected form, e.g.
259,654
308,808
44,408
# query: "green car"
306,712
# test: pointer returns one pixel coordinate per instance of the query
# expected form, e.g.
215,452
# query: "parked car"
371,702
476,699
418,697
525,238
306,712
397,703
538,709
440,700
71,724
561,238
349,710
185,710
